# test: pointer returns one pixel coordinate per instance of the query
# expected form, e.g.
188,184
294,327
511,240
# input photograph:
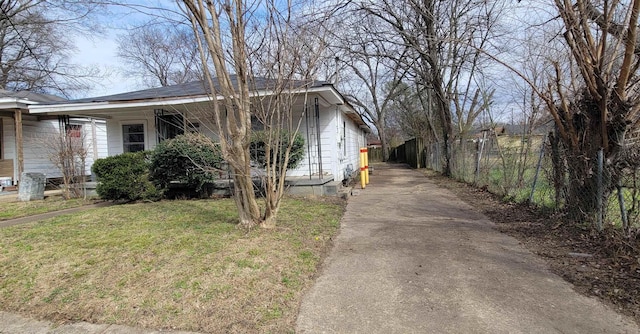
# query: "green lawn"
171,264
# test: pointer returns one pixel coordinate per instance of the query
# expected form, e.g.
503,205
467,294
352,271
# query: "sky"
101,52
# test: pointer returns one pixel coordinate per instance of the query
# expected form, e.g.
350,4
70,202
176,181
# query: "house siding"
8,140
114,129
96,146
9,143
334,125
35,135
312,163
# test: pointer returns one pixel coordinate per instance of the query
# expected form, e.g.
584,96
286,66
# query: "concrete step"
332,188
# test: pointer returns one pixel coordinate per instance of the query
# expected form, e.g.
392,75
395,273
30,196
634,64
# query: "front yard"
172,264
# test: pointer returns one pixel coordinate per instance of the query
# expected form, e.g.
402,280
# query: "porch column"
19,142
94,139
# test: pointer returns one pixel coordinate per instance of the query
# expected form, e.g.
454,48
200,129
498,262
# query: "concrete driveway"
413,258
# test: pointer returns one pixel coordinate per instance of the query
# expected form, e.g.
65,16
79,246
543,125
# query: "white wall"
355,139
332,138
312,162
8,138
95,134
337,131
9,143
35,135
114,129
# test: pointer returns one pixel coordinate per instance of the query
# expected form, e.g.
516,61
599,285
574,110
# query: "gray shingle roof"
196,88
31,96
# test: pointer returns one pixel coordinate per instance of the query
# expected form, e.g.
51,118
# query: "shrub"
190,160
258,148
124,177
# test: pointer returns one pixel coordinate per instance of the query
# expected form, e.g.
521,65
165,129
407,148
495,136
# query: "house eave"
86,107
328,94
13,103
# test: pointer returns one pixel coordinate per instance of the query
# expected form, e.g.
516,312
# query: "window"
133,137
344,139
74,130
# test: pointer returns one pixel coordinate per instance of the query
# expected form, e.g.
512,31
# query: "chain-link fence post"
623,209
479,157
600,190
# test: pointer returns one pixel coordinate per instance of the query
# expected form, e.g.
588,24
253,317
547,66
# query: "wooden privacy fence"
375,154
412,152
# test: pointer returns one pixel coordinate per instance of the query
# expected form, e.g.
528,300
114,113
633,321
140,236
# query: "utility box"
31,186
5,182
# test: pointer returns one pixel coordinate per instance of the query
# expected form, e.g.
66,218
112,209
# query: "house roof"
186,93
191,89
11,100
30,96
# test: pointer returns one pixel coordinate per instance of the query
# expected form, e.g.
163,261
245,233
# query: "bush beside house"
124,177
185,166
258,148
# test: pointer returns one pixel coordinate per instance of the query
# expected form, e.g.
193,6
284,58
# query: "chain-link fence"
535,169
622,201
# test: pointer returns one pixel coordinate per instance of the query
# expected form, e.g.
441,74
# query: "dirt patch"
605,265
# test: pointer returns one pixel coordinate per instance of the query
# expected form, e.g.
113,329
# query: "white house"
23,135
332,129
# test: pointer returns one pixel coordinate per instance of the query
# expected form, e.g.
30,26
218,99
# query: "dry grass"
16,209
174,264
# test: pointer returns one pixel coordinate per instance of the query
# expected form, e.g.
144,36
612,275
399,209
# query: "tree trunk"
382,132
447,130
244,192
582,162
248,210
582,189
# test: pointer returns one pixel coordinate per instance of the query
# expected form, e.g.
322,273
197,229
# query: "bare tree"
601,103
66,150
411,113
443,39
160,55
591,94
221,30
35,44
375,71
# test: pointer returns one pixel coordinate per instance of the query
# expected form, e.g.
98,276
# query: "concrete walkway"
48,215
16,324
413,258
